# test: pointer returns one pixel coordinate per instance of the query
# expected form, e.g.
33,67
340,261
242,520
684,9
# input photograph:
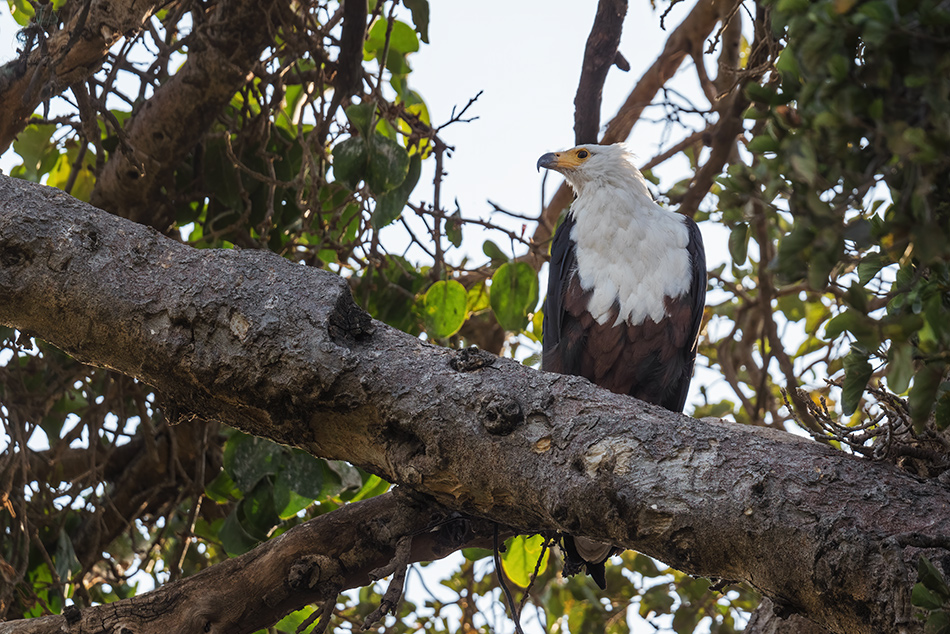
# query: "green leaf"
388,165
857,373
924,392
937,623
739,243
222,489
763,143
860,326
234,539
943,412
494,252
38,152
932,578
925,598
22,11
247,459
390,205
259,510
900,367
360,115
657,600
869,267
303,474
476,554
374,486
402,38
445,303
521,557
513,294
453,228
420,17
350,161
477,298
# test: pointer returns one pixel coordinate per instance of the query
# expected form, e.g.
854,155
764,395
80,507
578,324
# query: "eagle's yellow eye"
582,154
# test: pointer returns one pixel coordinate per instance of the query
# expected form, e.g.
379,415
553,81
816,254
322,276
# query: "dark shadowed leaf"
247,459
739,243
350,161
493,251
303,474
857,373
360,115
923,597
388,165
943,411
234,538
937,623
932,578
420,17
900,367
923,394
390,205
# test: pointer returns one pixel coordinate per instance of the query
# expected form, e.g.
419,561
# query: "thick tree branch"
309,563
280,350
68,56
167,126
599,55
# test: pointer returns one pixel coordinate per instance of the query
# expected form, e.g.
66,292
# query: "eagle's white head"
598,165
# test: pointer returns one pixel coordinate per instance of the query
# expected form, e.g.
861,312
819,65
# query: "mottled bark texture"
280,350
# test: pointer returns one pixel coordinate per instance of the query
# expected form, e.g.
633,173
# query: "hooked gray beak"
548,161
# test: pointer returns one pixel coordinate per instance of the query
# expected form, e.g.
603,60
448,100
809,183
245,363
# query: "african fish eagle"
626,289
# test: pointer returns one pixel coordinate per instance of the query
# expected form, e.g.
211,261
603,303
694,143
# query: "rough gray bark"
280,350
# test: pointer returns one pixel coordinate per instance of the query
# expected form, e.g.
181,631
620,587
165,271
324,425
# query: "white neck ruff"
630,251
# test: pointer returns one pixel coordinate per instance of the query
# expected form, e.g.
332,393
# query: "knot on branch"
502,416
311,570
72,614
13,255
471,358
349,321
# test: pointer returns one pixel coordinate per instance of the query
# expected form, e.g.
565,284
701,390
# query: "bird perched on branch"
626,289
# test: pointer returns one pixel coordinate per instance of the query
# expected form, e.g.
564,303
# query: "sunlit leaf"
513,294
521,557
445,303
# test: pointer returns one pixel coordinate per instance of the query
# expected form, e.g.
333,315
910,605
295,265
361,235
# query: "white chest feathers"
630,251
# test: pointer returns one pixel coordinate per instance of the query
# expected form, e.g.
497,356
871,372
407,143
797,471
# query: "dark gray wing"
696,298
560,270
